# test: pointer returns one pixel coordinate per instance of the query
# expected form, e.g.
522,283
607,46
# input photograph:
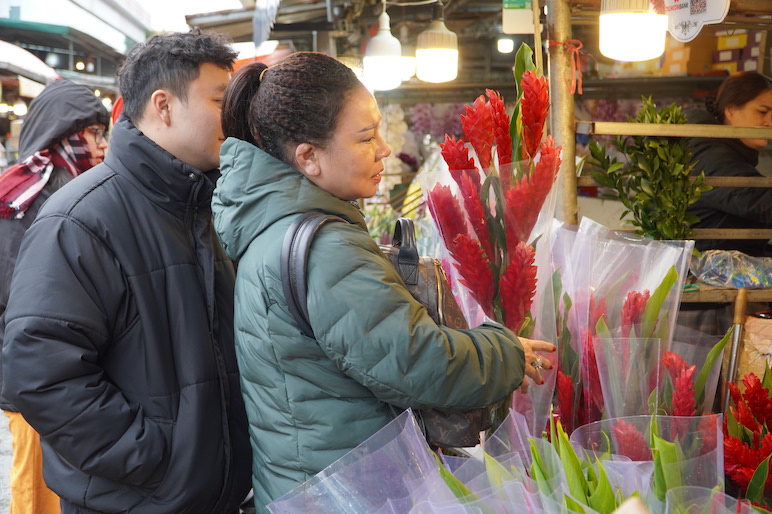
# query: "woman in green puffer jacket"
303,135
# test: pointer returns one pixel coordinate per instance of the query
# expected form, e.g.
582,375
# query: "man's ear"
159,106
307,159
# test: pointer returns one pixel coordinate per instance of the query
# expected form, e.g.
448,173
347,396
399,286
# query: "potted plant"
654,182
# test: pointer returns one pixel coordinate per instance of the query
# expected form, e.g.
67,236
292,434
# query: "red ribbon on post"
573,46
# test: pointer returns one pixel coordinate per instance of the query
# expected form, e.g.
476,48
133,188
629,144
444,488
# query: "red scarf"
21,183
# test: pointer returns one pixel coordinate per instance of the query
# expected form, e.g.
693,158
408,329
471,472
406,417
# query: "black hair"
295,101
737,90
169,61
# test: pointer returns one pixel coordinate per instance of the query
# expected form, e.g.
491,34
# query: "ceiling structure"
342,27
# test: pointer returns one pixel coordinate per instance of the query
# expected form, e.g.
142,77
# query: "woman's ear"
307,159
729,113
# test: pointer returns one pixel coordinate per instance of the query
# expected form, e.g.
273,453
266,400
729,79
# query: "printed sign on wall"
687,17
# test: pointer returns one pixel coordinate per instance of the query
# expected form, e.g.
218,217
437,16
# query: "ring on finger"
537,363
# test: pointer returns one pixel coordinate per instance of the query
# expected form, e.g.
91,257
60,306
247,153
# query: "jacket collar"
166,180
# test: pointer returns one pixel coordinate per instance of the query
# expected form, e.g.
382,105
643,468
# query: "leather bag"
426,281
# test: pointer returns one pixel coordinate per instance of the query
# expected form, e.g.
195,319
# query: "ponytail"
237,102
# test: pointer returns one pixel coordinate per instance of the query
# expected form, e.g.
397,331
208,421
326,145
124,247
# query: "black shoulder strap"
294,260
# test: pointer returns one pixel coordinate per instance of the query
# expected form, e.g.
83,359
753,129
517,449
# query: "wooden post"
562,109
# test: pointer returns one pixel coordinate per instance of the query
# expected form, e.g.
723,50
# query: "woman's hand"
533,362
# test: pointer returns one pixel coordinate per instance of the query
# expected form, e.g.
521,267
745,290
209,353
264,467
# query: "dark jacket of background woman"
729,207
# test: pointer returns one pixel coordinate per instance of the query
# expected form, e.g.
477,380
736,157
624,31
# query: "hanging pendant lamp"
383,58
630,30
437,51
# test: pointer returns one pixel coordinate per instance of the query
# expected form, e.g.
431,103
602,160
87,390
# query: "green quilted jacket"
309,401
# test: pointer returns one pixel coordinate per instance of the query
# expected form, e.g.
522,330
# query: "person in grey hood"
118,342
303,135
63,135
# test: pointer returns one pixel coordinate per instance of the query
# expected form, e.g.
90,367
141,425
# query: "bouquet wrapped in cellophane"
491,206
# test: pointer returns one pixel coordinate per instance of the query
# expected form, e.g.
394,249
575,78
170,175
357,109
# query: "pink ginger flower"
535,106
518,285
478,127
757,398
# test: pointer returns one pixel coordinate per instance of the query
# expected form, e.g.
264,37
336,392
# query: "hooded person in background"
63,135
125,363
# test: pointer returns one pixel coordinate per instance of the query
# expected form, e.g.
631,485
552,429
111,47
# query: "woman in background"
303,135
743,100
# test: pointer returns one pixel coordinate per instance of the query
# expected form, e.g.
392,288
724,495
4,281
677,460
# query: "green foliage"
655,184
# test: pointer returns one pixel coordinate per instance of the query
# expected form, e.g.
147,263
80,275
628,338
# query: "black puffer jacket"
61,109
119,341
729,207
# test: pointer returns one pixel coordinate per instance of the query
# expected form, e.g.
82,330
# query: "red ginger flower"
741,460
684,402
475,210
525,199
478,127
565,398
535,106
757,398
674,363
474,268
447,212
518,285
500,133
632,310
630,442
456,155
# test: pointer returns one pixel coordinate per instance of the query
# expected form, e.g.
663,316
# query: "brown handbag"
426,281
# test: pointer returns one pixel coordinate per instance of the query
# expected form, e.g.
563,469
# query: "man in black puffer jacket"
63,135
118,342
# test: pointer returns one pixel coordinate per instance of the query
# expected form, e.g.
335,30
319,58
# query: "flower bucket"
699,500
686,450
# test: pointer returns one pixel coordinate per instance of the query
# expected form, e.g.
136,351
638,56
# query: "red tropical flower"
518,285
474,268
565,400
478,128
501,135
535,106
632,311
629,441
475,211
456,155
447,212
684,402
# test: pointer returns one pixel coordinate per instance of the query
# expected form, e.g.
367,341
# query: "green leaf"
755,492
523,62
572,467
454,484
497,473
573,505
602,499
707,367
653,309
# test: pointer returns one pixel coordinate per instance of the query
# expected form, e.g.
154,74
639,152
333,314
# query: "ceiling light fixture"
437,51
630,30
383,56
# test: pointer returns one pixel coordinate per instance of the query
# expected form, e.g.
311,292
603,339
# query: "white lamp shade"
436,54
383,58
631,31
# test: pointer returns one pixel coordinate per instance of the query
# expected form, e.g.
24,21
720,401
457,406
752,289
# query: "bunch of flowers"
486,215
748,441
